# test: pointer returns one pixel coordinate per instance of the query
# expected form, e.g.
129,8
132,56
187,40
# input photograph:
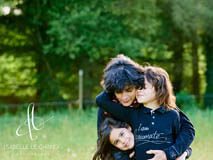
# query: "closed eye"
129,89
121,134
115,142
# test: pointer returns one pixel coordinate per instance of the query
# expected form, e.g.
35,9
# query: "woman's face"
126,96
122,138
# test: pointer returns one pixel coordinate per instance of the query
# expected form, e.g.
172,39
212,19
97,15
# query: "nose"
122,140
139,92
125,96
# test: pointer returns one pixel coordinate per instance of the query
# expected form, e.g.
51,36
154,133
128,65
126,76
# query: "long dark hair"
105,148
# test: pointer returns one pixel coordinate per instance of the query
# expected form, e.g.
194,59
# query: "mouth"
126,145
126,101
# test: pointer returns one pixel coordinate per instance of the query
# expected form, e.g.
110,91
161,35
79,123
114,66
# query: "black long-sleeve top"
175,127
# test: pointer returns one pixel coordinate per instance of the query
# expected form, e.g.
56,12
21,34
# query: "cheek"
133,95
153,93
119,146
128,133
140,93
137,93
118,96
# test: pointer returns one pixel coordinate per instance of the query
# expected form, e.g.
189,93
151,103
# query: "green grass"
71,135
203,143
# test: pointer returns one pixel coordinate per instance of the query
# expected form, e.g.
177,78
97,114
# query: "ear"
129,128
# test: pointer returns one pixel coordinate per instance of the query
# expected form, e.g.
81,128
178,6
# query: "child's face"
122,138
147,94
126,96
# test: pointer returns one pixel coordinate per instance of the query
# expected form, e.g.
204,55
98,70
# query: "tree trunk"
195,71
208,99
178,67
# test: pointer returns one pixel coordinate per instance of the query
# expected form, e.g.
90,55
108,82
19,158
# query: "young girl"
157,90
114,135
155,124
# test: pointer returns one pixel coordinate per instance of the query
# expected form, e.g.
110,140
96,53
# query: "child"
114,134
155,126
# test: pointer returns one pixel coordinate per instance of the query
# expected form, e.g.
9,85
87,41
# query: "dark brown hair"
120,72
105,148
159,78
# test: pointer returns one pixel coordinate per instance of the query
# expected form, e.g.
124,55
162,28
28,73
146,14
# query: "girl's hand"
131,154
182,157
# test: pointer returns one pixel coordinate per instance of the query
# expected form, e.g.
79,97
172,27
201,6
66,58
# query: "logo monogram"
30,123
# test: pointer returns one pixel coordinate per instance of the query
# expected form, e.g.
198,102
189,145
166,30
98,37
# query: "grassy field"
71,135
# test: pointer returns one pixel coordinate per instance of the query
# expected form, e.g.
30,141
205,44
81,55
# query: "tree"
81,31
17,60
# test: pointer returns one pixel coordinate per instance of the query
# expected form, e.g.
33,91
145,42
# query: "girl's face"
122,138
126,96
147,94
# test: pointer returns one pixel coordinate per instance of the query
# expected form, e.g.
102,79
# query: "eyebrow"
129,86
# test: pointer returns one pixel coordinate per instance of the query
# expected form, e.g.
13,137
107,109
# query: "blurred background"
53,53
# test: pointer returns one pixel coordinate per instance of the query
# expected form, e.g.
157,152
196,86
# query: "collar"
161,110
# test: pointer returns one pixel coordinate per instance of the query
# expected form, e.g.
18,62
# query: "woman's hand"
158,154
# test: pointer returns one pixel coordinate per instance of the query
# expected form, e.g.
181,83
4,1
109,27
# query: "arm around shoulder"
117,110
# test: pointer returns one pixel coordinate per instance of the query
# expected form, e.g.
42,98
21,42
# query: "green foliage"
17,65
13,38
18,75
140,17
198,18
159,52
96,29
70,35
185,99
68,85
91,33
189,22
86,29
